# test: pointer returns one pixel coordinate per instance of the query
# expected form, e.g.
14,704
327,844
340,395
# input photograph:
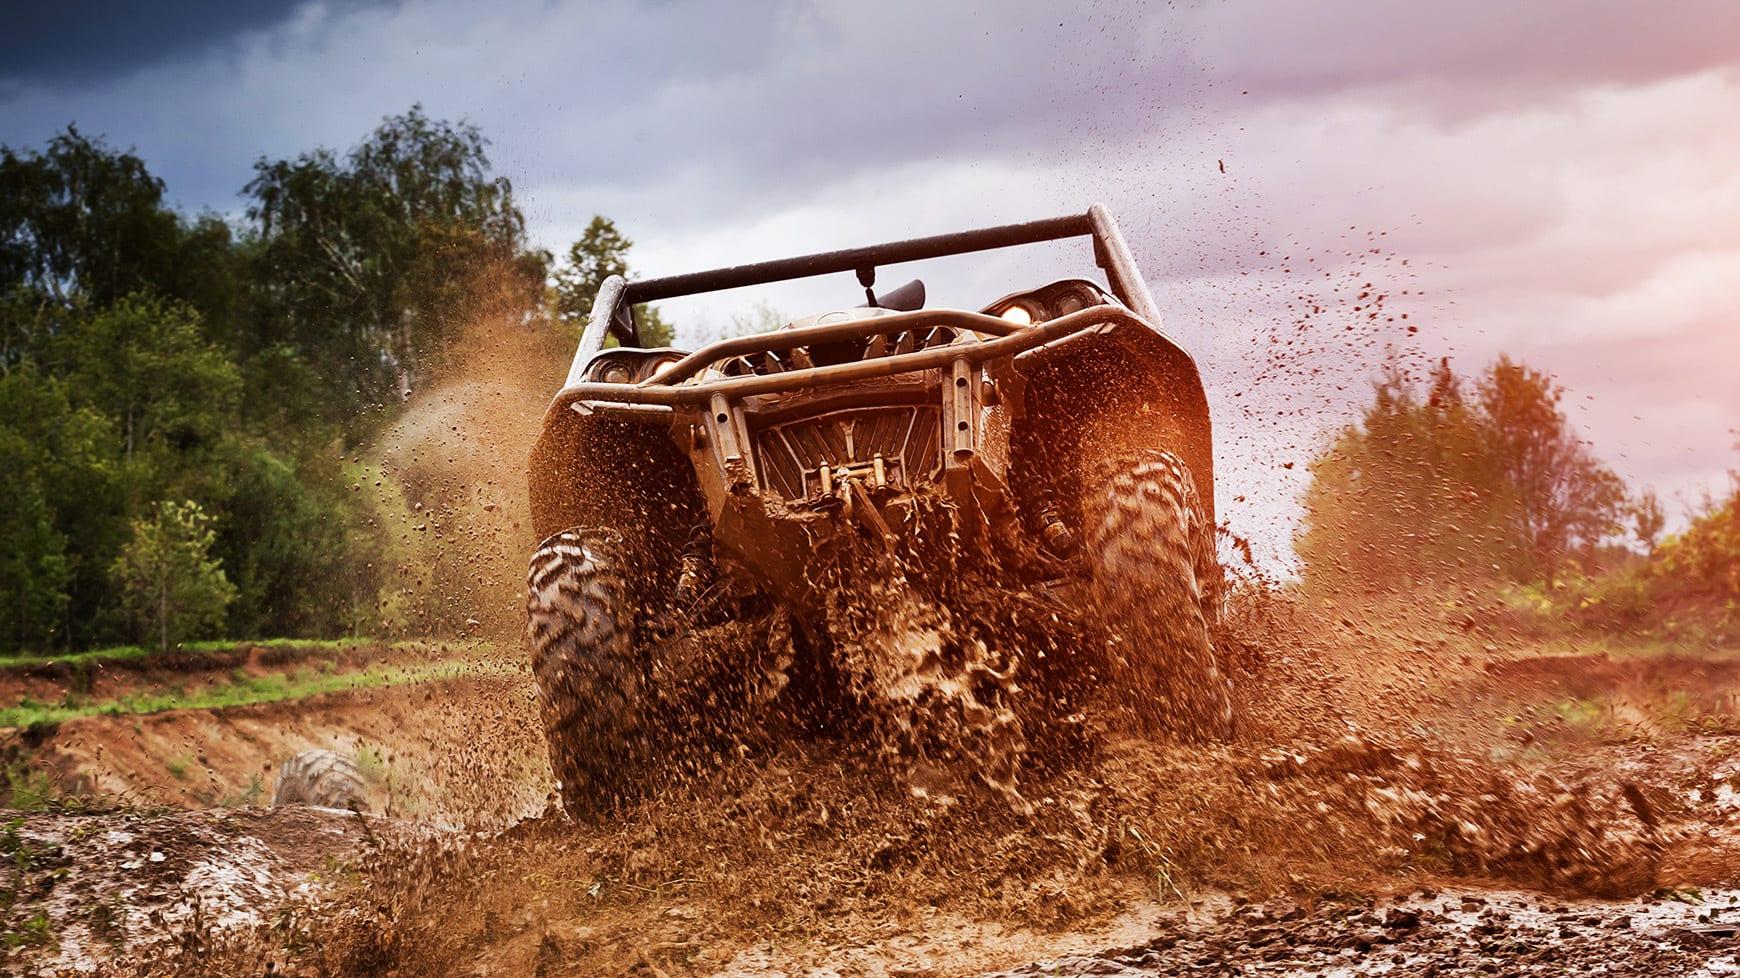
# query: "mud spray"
1378,749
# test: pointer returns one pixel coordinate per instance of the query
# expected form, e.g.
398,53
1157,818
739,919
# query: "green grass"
24,660
262,689
371,765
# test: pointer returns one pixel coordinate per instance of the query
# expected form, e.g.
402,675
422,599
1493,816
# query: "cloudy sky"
1557,180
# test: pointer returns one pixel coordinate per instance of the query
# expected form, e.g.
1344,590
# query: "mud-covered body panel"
991,436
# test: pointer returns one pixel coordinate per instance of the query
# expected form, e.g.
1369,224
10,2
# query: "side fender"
1096,395
587,470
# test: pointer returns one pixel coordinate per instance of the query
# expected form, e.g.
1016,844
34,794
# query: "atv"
819,480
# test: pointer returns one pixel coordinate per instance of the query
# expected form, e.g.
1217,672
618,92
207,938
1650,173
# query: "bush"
167,579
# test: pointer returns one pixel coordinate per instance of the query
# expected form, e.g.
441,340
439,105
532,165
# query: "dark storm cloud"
73,43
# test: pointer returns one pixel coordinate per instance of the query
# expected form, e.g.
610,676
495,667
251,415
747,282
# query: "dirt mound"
452,752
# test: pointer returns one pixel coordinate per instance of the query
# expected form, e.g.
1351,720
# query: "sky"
1553,180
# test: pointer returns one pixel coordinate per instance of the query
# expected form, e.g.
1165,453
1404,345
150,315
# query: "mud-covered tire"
1156,580
322,778
580,626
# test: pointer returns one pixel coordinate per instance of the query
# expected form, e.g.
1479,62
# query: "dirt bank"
1414,759
450,752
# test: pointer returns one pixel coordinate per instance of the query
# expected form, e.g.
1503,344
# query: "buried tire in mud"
1156,581
321,778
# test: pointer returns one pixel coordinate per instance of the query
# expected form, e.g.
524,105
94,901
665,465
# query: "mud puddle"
1463,931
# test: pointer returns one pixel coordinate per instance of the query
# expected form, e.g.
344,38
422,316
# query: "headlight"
616,373
1019,314
660,365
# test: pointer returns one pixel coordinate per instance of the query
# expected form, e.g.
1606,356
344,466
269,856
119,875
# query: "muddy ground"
1392,774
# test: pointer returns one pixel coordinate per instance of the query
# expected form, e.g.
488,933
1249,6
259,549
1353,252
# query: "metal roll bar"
656,397
612,310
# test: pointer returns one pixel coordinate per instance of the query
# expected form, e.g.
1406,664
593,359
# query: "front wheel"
580,626
1155,580
626,705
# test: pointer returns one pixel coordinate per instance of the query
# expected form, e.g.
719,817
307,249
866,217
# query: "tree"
1563,499
34,572
601,252
359,258
167,578
82,220
65,512
145,363
1456,487
1648,519
290,538
83,225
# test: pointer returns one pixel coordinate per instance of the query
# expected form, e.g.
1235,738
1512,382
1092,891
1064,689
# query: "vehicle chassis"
1087,362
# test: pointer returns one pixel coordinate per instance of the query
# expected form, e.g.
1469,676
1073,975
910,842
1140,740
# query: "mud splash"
810,852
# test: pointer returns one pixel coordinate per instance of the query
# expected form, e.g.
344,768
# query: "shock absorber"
696,566
1043,519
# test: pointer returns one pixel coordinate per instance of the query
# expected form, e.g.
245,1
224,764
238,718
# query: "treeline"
182,397
1482,483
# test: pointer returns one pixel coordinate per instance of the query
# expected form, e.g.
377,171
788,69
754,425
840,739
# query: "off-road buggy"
821,481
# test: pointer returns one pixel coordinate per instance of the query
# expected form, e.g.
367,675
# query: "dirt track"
450,752
1565,775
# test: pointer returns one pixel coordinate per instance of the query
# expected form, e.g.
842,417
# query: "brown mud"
1379,752
816,856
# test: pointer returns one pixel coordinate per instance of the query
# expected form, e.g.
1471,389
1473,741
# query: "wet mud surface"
1467,932
1399,799
1589,806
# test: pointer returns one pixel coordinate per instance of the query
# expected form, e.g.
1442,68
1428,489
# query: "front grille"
898,446
838,351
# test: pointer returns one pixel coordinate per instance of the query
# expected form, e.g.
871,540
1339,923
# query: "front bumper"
659,398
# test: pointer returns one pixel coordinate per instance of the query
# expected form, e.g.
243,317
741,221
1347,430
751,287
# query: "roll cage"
613,308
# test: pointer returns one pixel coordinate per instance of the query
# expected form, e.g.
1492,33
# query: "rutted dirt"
463,751
817,857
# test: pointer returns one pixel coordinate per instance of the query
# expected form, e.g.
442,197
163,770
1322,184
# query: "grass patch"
25,660
30,790
371,765
250,795
270,688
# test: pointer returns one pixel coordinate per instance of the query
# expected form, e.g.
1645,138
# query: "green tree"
167,578
34,571
82,225
601,252
359,258
81,220
292,537
66,511
145,363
